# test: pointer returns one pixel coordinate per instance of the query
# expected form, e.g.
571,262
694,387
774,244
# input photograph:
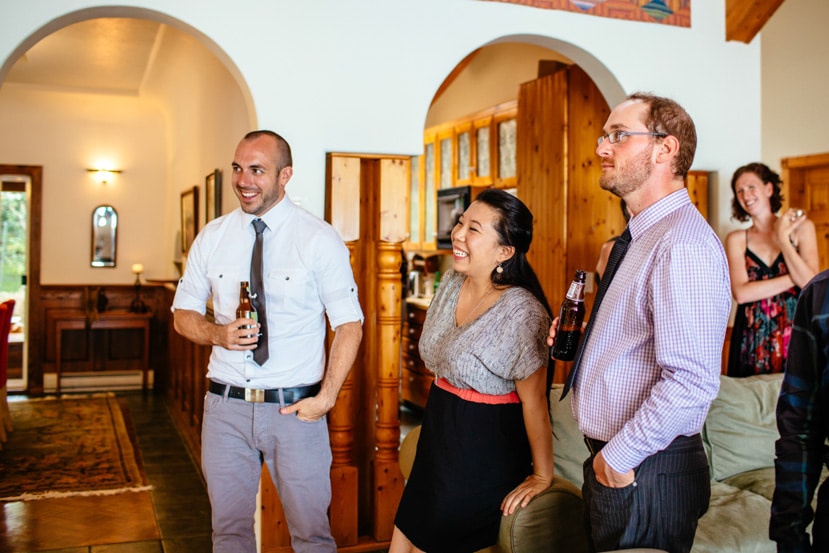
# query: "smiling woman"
768,264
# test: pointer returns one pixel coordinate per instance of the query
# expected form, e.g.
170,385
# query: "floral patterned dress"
760,337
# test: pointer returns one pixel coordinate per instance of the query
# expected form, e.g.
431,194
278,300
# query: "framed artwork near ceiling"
189,217
213,195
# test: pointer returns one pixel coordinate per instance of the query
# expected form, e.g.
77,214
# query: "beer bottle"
570,319
246,310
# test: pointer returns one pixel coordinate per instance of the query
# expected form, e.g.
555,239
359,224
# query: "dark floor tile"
133,547
196,544
181,525
181,482
67,550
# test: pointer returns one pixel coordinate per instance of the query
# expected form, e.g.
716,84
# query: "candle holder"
138,306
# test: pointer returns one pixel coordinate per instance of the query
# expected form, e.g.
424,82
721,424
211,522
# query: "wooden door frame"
34,340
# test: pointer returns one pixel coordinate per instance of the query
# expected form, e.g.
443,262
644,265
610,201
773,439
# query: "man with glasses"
649,364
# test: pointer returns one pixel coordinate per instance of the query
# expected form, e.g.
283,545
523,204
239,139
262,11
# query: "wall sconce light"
103,176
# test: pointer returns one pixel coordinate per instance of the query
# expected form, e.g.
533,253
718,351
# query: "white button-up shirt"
307,275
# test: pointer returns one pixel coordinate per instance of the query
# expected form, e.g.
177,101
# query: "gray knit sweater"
507,342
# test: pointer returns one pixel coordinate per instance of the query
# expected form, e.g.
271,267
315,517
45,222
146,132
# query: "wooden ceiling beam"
745,18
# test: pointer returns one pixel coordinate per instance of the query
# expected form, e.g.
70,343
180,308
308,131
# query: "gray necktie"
616,255
257,285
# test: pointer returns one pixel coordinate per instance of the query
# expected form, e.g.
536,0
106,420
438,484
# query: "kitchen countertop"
420,301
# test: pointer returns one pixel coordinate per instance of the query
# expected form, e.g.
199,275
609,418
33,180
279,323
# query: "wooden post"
388,479
344,473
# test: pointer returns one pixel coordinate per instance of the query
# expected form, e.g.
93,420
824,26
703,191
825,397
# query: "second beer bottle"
246,310
570,319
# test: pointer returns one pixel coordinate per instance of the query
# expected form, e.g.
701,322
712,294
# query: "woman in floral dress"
769,262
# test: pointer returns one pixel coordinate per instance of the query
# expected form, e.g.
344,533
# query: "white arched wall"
357,76
185,122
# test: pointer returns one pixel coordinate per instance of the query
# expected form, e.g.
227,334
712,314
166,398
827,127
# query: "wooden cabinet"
416,380
478,150
806,186
697,184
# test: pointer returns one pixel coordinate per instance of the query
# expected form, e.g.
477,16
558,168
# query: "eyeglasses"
615,136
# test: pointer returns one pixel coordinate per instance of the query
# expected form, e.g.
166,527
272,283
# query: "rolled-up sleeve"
337,289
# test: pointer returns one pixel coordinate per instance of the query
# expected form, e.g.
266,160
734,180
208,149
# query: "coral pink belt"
477,397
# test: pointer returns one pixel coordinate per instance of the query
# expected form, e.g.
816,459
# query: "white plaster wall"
67,133
359,75
795,81
205,116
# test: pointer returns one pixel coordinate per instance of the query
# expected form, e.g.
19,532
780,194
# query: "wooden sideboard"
76,319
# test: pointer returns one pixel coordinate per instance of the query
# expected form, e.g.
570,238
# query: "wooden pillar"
344,473
388,479
367,202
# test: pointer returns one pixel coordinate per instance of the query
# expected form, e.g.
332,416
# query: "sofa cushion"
759,481
569,451
736,521
741,427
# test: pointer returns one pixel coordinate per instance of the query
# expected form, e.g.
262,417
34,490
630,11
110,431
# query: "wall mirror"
104,236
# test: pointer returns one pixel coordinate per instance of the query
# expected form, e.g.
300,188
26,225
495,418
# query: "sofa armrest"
552,522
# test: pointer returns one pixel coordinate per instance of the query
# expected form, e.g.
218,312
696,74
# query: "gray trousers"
237,436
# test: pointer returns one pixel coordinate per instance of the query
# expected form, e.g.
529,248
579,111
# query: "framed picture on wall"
189,217
213,195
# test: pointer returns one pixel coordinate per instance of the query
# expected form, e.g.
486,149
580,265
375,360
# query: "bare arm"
532,392
801,261
343,352
743,290
195,327
604,255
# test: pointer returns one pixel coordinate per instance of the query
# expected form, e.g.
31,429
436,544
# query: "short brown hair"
667,116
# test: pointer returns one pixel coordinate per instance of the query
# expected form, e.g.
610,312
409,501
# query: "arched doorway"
73,105
546,109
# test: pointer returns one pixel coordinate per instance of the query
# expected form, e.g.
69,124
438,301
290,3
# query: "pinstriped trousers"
660,509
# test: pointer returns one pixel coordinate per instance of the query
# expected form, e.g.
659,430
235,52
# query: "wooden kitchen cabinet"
416,380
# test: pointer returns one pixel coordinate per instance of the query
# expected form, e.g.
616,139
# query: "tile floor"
179,499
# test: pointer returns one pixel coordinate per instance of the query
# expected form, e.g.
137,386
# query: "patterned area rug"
68,446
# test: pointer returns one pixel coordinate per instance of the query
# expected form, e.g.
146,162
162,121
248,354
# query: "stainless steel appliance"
451,204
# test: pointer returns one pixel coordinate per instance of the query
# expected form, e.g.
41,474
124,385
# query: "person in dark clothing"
803,423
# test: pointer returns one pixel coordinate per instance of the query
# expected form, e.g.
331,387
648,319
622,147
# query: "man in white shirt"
273,412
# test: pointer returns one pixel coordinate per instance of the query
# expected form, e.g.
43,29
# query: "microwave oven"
451,203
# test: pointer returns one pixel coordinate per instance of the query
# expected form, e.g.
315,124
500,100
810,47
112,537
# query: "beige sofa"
739,436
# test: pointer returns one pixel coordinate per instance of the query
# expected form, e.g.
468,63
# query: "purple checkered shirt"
651,366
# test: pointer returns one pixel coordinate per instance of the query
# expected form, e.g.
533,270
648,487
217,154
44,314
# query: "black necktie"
616,255
257,285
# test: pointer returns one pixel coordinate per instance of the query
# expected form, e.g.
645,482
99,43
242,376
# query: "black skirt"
469,457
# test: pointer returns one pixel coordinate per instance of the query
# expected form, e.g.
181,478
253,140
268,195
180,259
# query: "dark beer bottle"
246,310
570,319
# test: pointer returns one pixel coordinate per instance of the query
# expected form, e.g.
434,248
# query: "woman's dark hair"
514,226
764,174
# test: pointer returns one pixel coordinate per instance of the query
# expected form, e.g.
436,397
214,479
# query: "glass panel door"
14,220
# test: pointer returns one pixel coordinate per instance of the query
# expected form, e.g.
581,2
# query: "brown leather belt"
257,395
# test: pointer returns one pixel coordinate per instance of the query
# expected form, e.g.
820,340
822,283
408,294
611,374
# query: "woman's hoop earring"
499,269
